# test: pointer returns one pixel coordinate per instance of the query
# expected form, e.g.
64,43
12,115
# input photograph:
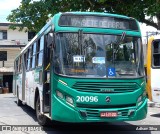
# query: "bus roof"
153,37
96,13
156,36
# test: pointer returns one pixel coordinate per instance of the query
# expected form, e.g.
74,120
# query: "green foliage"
33,14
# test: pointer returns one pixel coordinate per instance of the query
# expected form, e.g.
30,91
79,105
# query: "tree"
33,14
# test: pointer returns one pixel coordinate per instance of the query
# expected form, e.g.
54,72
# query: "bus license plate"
109,114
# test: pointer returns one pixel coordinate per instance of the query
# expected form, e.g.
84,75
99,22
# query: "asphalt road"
11,115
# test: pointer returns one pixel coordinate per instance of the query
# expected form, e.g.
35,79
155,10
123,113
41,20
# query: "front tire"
19,102
42,119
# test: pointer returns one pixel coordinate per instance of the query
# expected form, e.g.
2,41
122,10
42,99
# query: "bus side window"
20,64
40,48
16,66
28,59
156,54
33,55
25,60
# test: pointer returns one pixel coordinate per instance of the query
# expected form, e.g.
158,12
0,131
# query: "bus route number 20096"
87,99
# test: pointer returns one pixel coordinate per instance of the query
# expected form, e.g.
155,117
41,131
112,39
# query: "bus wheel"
42,119
19,102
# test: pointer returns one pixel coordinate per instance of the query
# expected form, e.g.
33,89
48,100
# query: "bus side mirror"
50,40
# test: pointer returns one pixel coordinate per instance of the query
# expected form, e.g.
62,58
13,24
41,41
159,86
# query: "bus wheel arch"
19,102
36,97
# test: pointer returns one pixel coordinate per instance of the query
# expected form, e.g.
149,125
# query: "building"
11,43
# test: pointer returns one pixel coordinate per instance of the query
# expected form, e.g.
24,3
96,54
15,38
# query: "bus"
153,68
83,67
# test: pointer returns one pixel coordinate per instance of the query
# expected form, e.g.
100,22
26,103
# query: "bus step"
47,115
46,109
24,102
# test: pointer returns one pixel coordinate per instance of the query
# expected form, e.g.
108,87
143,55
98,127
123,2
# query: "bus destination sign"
97,21
86,22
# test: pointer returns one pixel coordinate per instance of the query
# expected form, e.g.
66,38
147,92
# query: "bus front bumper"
65,113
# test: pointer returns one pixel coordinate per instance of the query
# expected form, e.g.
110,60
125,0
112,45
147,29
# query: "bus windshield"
98,55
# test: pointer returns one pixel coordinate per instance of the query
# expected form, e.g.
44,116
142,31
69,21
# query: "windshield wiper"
80,33
115,50
122,72
126,73
120,41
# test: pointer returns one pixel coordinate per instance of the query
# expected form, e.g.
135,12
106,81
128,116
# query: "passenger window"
42,43
40,57
33,61
156,53
20,64
34,48
17,65
40,48
31,54
34,55
28,59
25,60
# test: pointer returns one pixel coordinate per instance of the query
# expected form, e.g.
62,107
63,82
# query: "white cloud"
6,6
9,4
145,28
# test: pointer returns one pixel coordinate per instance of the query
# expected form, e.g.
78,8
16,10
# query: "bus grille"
105,87
92,113
80,105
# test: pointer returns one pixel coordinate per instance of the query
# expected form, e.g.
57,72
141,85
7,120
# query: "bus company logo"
108,99
107,90
6,128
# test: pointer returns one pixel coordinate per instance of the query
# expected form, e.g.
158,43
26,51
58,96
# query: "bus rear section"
153,68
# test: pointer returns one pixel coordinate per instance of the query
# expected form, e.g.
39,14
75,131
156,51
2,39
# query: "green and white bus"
83,67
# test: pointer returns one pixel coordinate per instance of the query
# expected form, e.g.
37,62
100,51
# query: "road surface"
11,114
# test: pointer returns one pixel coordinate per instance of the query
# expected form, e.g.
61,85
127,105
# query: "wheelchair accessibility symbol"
111,71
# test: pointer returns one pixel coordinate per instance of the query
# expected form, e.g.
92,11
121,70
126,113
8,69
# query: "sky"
144,28
7,5
5,8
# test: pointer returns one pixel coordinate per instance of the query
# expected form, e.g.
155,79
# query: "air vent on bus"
105,87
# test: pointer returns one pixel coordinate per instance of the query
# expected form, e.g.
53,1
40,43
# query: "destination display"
97,21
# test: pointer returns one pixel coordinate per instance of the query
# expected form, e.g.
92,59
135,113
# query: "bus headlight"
144,94
141,98
139,101
59,94
69,100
